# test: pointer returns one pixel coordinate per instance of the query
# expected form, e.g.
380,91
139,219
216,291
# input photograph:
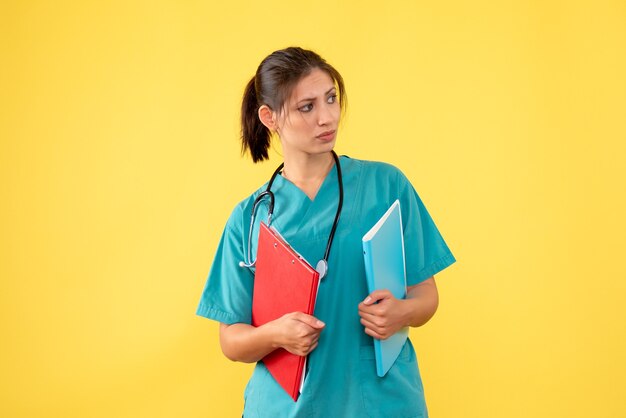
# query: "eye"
306,108
332,98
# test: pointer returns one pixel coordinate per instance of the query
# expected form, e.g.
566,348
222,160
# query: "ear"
268,117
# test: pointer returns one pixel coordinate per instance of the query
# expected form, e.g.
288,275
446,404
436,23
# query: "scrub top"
341,379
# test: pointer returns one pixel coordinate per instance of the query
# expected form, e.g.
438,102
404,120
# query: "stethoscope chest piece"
322,268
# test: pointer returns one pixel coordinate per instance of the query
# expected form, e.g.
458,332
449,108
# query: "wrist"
272,334
408,311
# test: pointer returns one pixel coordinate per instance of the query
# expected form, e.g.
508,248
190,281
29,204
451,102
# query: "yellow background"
120,163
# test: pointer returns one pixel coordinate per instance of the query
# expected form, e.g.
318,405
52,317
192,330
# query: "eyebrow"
310,99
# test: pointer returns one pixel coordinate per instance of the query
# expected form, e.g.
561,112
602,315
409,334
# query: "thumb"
377,295
310,320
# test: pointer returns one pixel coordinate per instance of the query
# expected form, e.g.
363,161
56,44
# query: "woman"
299,97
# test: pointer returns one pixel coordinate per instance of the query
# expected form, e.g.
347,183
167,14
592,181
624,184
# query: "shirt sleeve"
227,295
426,253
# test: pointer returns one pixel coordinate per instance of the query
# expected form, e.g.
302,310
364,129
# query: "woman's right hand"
297,332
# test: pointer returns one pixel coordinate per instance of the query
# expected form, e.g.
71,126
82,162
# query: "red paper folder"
283,282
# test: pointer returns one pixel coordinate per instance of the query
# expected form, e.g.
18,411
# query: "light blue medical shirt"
341,380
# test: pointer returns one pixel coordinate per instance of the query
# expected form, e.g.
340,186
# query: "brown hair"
272,85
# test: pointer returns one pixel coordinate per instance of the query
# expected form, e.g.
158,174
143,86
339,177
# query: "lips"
326,135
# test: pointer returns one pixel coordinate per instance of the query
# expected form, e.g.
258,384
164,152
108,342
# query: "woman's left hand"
389,315
383,319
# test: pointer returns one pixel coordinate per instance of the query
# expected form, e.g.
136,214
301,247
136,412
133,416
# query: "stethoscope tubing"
331,237
268,192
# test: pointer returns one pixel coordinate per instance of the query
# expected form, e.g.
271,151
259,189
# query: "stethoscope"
322,265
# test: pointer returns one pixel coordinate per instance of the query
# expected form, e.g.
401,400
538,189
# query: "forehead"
316,83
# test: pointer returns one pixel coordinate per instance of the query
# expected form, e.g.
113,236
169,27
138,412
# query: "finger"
293,349
307,351
368,308
309,320
309,342
377,309
304,349
372,326
313,347
310,347
374,319
304,331
377,295
374,334
372,308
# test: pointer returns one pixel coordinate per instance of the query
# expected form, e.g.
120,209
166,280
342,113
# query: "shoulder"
377,169
243,210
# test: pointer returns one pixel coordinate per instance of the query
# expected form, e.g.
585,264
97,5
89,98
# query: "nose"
325,116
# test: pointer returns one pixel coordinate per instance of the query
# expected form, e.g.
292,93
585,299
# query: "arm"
296,332
383,319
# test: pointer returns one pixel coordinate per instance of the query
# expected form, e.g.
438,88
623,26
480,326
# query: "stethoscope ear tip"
242,264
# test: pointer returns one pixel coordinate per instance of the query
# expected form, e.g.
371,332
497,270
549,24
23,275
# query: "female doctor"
297,96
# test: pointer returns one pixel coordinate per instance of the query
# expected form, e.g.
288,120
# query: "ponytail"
255,136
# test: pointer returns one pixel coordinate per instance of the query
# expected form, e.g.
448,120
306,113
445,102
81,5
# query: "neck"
308,171
308,168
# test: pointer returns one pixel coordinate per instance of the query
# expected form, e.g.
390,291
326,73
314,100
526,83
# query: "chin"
326,146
